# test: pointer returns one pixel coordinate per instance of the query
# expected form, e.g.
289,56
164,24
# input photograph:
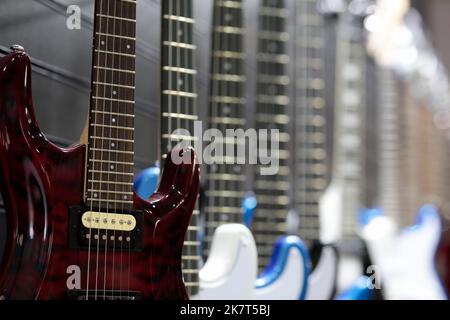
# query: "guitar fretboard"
272,112
225,181
310,123
110,166
179,107
349,123
389,145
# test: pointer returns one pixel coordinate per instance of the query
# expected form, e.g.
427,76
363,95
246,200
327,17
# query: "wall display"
232,149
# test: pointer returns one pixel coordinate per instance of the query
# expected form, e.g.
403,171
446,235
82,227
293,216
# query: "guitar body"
232,265
323,278
42,184
407,258
286,276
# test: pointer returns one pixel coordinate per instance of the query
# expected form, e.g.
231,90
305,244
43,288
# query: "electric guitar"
407,256
310,169
346,194
75,228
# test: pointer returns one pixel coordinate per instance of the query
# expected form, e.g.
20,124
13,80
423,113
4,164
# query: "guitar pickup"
105,230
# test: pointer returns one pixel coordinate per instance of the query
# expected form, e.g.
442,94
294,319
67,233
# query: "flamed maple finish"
41,182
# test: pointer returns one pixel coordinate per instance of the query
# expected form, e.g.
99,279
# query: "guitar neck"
389,145
310,129
349,159
226,111
178,87
109,176
179,107
272,112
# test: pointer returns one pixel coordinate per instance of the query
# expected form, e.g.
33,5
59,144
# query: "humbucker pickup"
107,230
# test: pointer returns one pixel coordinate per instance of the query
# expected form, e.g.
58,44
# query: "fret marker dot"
113,120
180,82
113,144
227,66
228,17
128,47
237,169
114,92
227,110
180,32
102,43
95,195
112,167
125,197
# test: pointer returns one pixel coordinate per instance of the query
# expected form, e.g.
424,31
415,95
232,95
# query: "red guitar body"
41,182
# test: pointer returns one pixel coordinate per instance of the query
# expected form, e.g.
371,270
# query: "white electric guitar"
310,172
405,256
345,196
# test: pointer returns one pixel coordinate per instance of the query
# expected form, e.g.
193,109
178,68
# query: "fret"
273,12
121,193
179,70
272,57
107,35
108,201
180,45
112,139
111,86
112,127
228,4
113,99
227,210
228,54
115,70
115,17
228,77
273,35
180,93
228,100
228,120
115,53
178,18
119,115
180,116
229,29
233,177
274,79
109,182
111,151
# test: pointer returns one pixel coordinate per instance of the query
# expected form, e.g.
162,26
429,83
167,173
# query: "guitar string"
116,123
109,153
102,152
213,112
122,204
128,234
98,8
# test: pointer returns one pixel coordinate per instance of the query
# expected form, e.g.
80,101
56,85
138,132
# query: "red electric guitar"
76,229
